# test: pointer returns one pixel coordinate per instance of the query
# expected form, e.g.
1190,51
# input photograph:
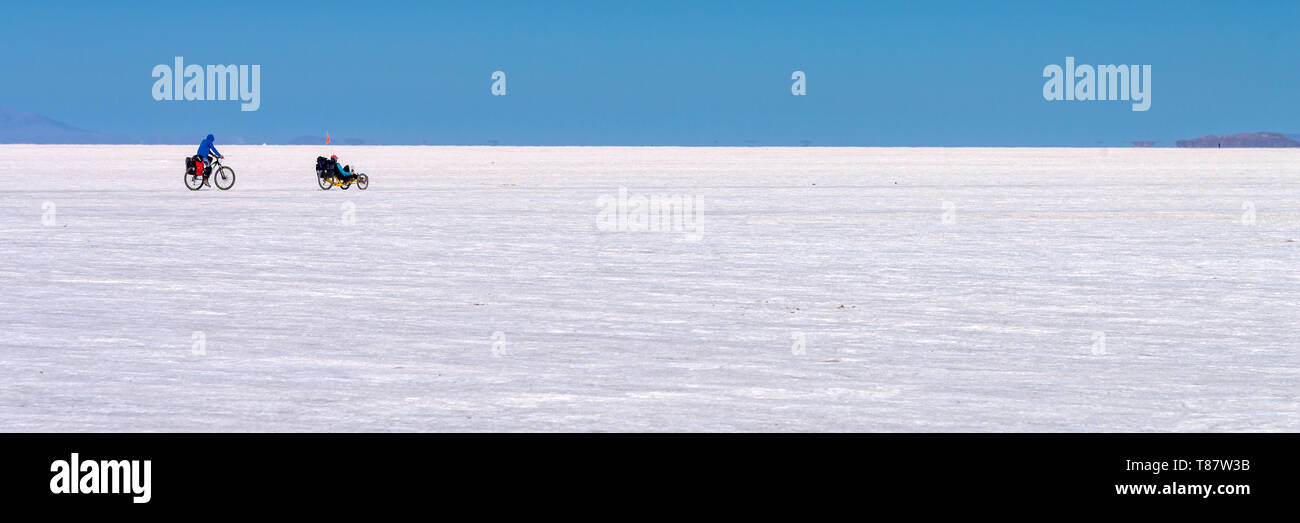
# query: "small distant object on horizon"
1144,143
1240,140
317,140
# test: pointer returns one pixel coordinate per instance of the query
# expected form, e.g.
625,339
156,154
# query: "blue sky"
661,73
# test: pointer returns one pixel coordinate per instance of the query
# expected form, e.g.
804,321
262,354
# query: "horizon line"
720,146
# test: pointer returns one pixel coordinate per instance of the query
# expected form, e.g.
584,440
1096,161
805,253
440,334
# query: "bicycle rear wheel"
193,182
224,178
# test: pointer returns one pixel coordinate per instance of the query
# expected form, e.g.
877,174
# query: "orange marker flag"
327,138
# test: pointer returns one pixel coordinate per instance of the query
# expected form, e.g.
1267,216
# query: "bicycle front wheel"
224,178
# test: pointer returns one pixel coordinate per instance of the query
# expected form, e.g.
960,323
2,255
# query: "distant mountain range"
26,128
20,127
1241,140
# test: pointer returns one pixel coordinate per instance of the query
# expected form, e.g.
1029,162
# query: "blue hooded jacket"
206,148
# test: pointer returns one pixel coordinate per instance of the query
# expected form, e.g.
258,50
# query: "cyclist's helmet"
334,156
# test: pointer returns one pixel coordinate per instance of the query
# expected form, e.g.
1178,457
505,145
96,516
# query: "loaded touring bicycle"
198,173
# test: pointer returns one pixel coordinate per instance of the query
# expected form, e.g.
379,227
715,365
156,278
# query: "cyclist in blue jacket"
206,152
